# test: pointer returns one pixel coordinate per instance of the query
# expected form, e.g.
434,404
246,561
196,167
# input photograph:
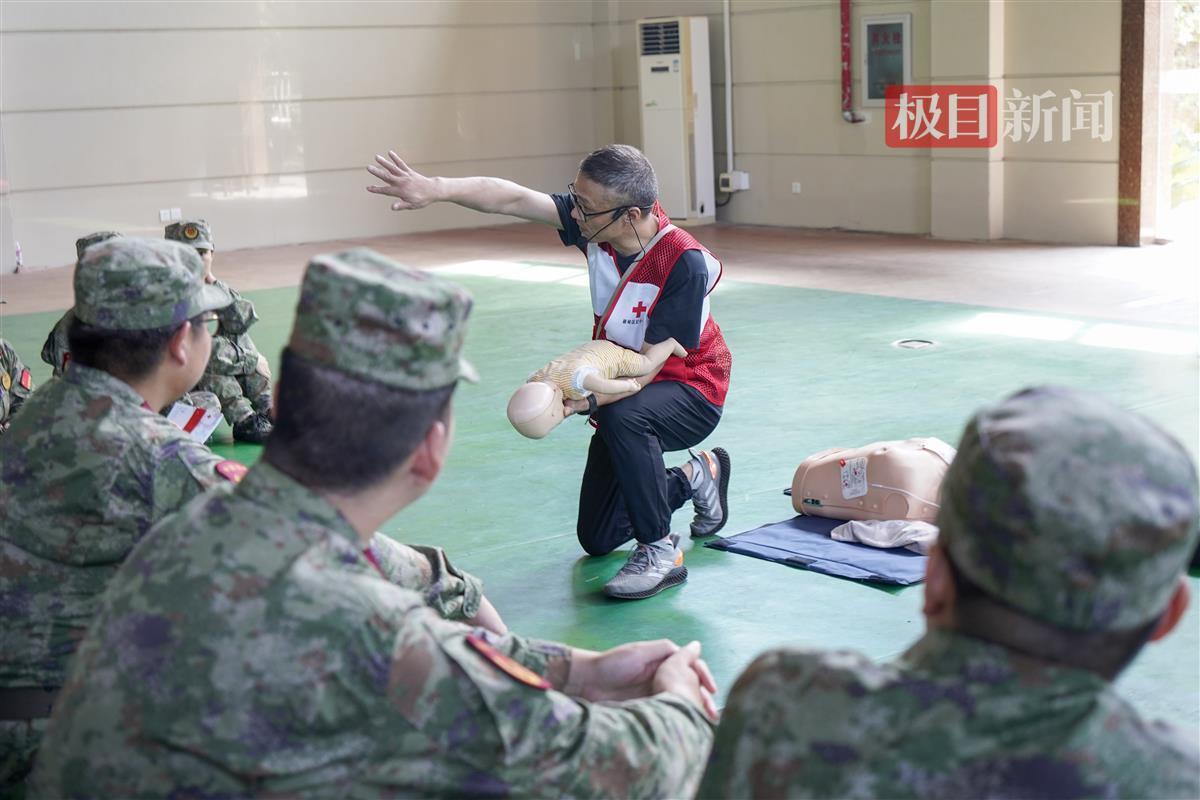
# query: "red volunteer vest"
622,305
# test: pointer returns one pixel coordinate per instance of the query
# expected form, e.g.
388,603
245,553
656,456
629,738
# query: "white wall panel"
262,116
1061,202
629,11
787,46
1065,37
856,192
91,15
259,211
89,148
122,68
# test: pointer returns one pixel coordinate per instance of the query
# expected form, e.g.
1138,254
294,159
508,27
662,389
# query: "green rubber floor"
812,370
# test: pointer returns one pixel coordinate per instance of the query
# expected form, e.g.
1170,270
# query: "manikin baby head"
596,367
536,408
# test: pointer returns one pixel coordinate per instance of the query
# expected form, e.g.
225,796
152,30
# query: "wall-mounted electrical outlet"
176,214
795,187
164,215
736,181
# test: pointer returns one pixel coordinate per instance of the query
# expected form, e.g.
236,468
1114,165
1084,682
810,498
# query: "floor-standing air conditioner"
676,102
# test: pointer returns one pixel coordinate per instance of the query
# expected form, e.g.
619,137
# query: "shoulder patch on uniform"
5,381
232,471
190,232
516,671
26,379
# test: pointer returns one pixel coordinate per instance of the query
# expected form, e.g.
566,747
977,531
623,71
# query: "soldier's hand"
410,188
685,674
622,673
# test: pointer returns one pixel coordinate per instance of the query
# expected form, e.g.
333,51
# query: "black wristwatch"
592,404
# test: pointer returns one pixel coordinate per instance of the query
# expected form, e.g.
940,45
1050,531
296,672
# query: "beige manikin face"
535,409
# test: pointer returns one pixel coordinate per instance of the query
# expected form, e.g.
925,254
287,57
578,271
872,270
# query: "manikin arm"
604,398
634,365
597,383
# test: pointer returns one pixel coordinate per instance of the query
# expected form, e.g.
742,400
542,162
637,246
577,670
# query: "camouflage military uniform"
954,717
233,375
1076,515
15,383
248,647
85,470
57,349
56,352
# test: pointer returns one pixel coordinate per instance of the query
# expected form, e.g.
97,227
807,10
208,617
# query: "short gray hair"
625,172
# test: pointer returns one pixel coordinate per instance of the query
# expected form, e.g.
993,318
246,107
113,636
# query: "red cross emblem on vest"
640,309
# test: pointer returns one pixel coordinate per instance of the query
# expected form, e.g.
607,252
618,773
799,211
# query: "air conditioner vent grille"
660,38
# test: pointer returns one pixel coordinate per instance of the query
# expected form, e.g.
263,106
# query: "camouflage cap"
190,231
85,242
137,284
1070,509
368,316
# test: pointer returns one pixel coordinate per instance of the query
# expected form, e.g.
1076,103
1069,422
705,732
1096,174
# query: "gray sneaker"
650,569
710,491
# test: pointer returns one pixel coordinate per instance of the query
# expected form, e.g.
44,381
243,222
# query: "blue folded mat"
804,542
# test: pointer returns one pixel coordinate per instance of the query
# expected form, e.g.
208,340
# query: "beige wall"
261,116
1055,191
788,126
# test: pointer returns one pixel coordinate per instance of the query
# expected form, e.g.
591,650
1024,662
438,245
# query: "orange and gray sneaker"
710,491
650,569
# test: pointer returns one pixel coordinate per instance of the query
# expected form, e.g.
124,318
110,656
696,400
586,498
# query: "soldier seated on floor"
15,383
1065,526
255,648
237,374
89,465
56,352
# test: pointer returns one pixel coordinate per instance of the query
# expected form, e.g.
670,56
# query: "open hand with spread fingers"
411,189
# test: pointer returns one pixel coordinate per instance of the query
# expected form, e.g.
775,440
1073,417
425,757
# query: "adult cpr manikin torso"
883,480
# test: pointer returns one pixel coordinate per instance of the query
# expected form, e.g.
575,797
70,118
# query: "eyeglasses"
211,321
589,214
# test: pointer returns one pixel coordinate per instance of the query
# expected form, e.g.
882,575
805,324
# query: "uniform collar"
942,651
97,381
268,486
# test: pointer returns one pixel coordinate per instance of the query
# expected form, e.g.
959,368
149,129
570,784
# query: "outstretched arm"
413,190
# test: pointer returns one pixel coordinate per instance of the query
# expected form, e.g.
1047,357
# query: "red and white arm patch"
232,471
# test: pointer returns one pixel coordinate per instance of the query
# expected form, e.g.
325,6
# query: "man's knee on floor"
591,541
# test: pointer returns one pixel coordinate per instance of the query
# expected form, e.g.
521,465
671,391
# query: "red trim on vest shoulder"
26,379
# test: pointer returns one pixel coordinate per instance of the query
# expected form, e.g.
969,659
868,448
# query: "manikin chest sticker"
854,478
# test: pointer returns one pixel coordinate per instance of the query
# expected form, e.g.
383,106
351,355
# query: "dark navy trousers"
627,492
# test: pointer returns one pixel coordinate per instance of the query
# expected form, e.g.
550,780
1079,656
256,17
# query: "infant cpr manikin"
884,480
536,408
